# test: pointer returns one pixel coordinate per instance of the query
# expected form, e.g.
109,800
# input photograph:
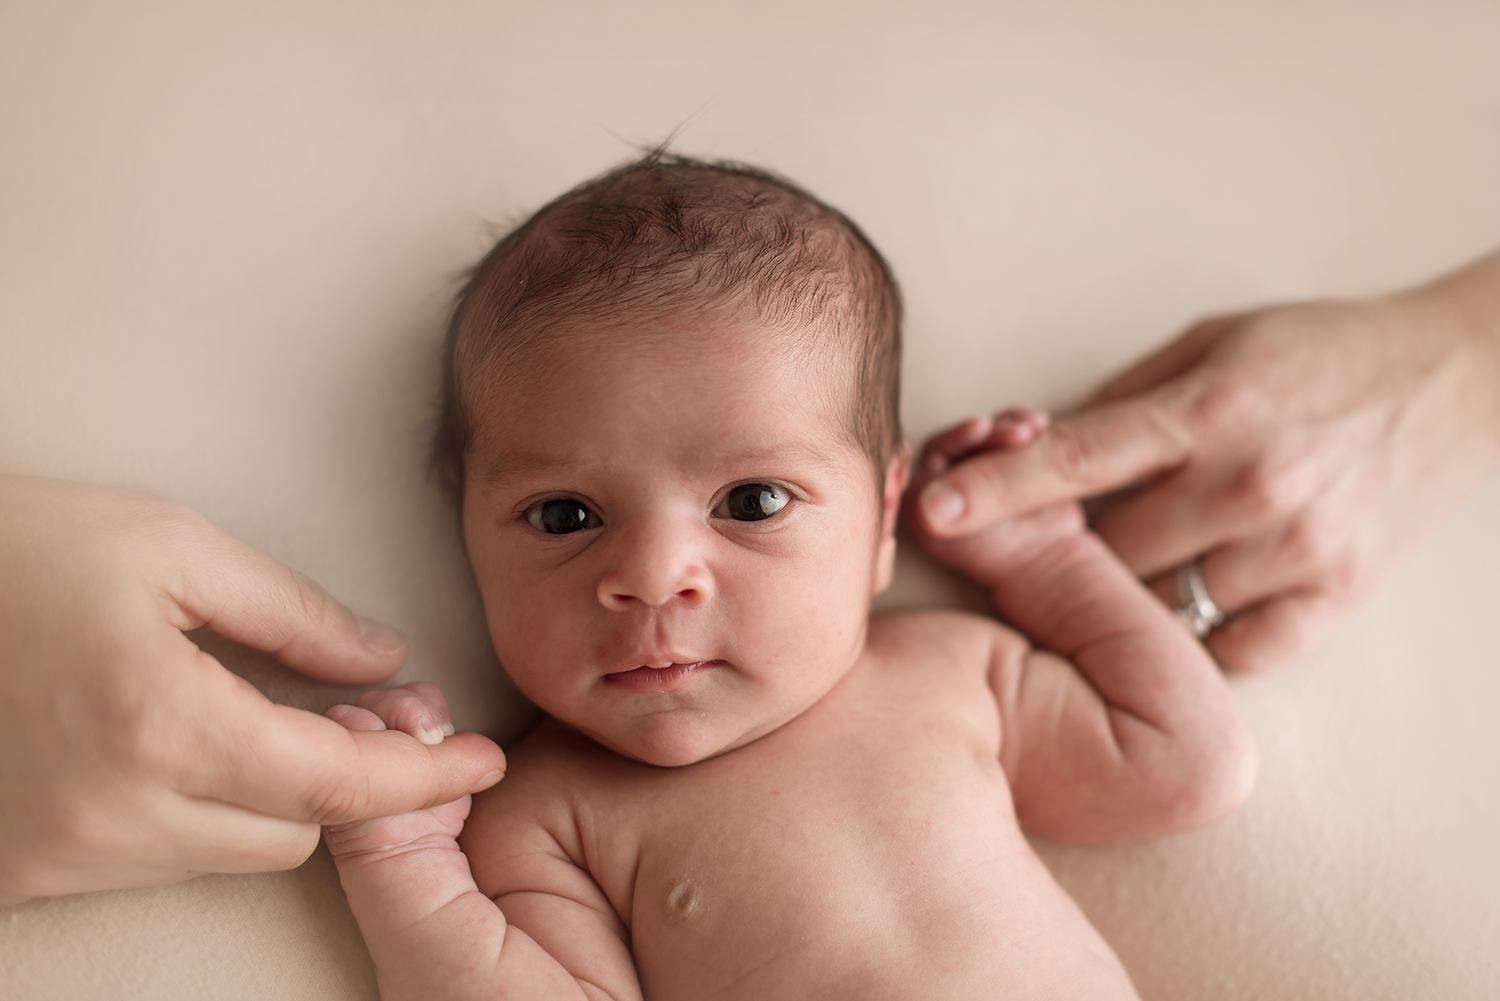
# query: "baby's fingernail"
490,778
941,505
448,729
428,732
380,637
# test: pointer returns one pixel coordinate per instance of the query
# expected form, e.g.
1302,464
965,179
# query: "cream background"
228,231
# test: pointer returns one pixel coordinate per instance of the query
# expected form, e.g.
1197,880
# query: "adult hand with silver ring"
1291,453
1195,609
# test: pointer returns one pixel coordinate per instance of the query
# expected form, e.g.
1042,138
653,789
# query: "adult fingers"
203,835
1088,453
180,837
1269,635
1218,501
1166,524
245,596
292,764
1164,364
1307,551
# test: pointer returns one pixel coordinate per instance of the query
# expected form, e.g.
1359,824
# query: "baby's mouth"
660,677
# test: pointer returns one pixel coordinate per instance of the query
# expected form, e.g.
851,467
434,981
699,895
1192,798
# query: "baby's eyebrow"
799,452
516,465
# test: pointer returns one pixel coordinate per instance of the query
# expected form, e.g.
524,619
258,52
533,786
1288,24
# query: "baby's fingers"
1013,428
1016,428
354,718
418,709
389,835
948,446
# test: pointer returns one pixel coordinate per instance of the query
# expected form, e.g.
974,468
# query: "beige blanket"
227,235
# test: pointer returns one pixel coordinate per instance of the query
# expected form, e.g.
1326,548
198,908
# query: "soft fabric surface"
229,236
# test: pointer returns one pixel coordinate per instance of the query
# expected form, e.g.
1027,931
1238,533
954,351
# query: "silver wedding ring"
1195,609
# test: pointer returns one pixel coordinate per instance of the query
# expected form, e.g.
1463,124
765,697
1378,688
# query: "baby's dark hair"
666,232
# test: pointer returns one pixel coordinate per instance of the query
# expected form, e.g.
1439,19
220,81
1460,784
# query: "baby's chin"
674,739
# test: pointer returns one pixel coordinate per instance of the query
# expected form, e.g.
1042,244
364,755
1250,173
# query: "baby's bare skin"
867,849
755,791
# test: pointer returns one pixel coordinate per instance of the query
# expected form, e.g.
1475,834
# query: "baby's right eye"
561,516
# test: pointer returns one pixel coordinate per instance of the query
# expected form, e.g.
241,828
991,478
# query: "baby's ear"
897,473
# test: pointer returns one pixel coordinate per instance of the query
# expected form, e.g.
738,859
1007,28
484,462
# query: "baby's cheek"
810,624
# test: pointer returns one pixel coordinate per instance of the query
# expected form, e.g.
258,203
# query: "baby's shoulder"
938,668
546,772
548,766
940,639
552,776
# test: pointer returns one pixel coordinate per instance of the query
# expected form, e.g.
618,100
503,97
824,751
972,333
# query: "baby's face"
676,546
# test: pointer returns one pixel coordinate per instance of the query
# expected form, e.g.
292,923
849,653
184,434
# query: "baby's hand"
1006,546
1009,429
420,710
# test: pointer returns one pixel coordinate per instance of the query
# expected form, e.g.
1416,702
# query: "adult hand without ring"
132,758
1297,450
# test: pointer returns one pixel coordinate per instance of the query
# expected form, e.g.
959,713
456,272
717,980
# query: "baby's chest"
815,851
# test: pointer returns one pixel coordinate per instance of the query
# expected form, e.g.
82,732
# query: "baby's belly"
815,888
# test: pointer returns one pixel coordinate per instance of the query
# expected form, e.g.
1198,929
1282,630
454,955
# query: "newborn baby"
671,420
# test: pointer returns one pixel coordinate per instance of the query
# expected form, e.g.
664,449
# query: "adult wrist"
1463,309
1468,298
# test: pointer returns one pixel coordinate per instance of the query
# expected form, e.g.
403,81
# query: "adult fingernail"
490,778
428,732
448,729
941,505
380,637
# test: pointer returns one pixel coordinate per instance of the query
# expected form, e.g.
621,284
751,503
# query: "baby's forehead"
598,379
628,346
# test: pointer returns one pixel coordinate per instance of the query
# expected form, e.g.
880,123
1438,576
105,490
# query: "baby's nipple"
684,899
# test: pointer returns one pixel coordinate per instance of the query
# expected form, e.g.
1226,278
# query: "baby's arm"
430,931
1118,724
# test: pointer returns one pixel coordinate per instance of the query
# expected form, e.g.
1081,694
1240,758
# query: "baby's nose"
653,566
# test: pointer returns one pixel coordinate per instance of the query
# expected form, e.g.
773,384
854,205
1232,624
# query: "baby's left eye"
752,502
562,516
